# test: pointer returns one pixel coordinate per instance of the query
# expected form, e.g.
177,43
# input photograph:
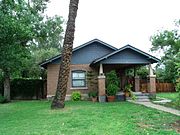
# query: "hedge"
26,89
1,87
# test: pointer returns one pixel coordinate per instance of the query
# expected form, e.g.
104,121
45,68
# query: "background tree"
141,71
167,41
46,44
58,101
14,34
22,25
49,34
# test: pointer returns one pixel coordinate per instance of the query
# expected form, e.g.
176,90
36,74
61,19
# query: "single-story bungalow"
99,57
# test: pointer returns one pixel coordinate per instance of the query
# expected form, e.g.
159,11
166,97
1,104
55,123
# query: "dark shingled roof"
154,59
44,63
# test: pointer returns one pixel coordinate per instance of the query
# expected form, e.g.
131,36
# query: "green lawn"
175,103
84,118
168,95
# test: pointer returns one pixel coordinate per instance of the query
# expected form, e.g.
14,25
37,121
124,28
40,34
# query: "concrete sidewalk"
158,107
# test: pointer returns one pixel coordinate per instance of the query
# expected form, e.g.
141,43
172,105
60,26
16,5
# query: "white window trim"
79,88
83,87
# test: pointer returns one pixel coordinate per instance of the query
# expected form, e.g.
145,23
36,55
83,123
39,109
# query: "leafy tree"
46,45
178,79
58,101
32,68
168,41
14,34
49,34
22,25
143,72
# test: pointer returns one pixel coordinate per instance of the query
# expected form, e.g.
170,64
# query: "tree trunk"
58,101
7,85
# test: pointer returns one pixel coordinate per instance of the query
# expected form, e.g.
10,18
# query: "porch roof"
126,55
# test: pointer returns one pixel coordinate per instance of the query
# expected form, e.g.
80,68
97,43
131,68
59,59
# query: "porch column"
101,84
101,70
137,83
152,82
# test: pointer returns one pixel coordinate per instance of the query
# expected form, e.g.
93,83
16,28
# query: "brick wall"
52,76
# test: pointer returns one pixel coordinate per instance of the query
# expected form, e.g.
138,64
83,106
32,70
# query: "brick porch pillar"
152,83
101,84
137,83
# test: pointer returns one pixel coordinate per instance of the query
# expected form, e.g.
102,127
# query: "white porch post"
150,70
152,82
101,84
101,70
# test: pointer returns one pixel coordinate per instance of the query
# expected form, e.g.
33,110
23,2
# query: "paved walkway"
158,107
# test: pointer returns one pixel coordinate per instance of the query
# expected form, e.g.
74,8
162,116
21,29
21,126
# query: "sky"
120,22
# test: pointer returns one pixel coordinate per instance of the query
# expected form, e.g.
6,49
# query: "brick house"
99,57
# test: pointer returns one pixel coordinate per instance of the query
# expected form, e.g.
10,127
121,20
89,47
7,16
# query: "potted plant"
93,95
112,83
128,90
111,92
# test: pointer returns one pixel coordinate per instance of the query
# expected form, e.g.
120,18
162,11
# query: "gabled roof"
150,57
44,63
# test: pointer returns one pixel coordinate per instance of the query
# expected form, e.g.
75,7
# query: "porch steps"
141,97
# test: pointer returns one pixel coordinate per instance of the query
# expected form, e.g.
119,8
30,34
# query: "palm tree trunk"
58,101
7,85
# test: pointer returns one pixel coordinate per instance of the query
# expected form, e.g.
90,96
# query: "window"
78,78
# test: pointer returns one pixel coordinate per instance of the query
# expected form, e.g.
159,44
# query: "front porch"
124,80
121,60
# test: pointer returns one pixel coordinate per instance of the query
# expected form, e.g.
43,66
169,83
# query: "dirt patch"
176,126
143,125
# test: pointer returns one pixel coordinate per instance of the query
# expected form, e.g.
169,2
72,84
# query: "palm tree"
58,101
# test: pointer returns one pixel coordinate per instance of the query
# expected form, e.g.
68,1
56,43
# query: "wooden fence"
160,87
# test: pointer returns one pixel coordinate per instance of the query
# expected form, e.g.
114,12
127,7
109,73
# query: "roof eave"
125,47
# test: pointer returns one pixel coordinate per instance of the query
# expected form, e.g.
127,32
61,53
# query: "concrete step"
137,93
140,94
142,97
142,100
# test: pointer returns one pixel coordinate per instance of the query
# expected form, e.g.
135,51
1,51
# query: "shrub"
112,83
1,87
26,88
112,78
3,99
112,89
22,88
93,94
76,96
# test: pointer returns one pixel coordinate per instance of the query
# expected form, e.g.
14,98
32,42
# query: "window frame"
78,71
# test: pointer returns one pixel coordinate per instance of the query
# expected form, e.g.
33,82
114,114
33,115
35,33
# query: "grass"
84,118
175,103
168,95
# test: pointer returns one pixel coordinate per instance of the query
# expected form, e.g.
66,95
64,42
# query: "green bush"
112,83
26,88
76,96
112,89
112,78
1,87
92,94
3,99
